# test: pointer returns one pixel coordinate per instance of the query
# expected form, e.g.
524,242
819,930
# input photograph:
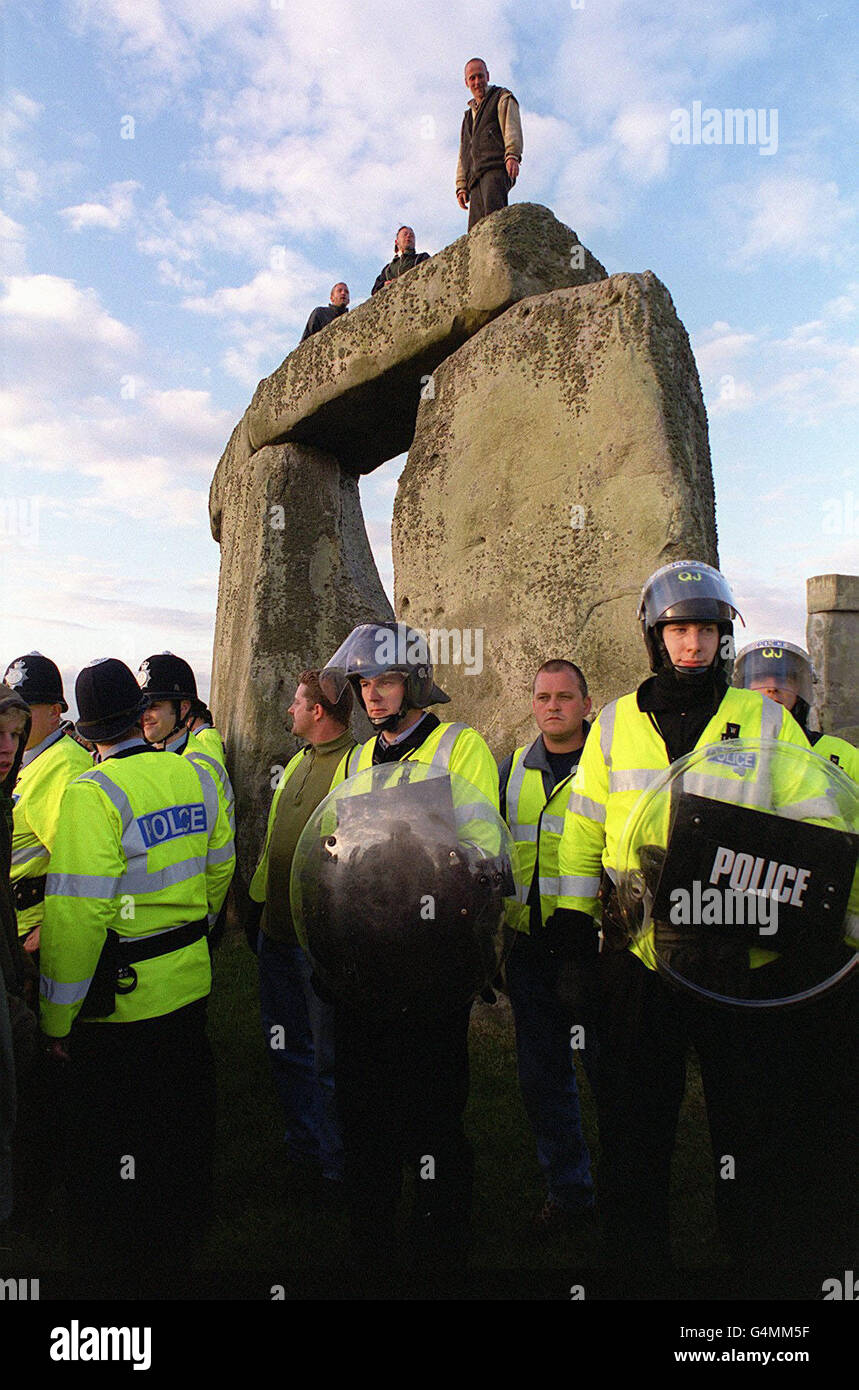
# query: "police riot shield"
737,874
398,890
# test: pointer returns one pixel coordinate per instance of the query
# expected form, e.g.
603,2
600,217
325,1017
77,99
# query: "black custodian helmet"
167,677
36,679
109,699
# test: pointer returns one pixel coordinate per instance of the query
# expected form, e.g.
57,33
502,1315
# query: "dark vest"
482,144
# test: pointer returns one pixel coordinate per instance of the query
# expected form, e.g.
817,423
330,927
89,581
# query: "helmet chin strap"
390,722
693,675
180,724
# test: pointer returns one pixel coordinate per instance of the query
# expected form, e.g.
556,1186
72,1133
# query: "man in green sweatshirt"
298,1026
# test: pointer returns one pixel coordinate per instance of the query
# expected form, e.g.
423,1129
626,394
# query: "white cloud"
640,131
806,374
269,295
79,607
113,215
27,177
790,216
147,452
19,113
210,226
62,335
718,347
13,246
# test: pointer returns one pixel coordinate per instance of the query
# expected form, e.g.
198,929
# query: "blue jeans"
299,1035
547,1074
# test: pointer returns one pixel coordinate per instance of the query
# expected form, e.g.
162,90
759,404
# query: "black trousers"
487,195
782,1124
402,1087
141,1135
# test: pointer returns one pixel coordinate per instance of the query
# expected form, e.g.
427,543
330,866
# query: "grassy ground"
263,1225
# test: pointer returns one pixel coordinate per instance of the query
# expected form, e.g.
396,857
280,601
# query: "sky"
184,180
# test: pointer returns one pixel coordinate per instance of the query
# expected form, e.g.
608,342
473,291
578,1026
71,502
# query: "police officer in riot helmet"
389,668
686,613
402,1084
784,672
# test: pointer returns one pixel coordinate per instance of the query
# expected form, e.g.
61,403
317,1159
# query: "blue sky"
185,179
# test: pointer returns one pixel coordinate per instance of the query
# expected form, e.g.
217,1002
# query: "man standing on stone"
536,782
405,257
490,145
324,313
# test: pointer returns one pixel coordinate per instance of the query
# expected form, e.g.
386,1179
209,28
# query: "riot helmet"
375,649
685,591
773,665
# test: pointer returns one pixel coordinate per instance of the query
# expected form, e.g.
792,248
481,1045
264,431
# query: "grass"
262,1227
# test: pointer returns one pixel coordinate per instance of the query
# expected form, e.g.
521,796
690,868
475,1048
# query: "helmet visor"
775,666
690,590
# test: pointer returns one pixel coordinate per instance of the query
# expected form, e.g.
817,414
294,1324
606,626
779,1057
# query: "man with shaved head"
490,145
324,313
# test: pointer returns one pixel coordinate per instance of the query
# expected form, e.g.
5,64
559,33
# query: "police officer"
51,760
536,782
141,862
822,1052
686,614
173,707
402,1088
784,673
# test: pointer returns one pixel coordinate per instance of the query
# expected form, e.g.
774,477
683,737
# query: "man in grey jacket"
490,145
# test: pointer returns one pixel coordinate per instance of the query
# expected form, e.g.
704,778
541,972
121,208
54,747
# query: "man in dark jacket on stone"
490,145
324,313
405,257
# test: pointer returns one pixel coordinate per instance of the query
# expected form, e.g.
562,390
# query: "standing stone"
297,574
833,645
563,458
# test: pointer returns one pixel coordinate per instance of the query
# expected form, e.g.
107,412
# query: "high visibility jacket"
623,756
840,752
143,847
204,756
212,742
36,801
456,747
536,824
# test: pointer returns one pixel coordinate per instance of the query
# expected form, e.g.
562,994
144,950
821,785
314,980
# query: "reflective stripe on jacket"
204,756
455,747
37,796
622,757
143,846
536,824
